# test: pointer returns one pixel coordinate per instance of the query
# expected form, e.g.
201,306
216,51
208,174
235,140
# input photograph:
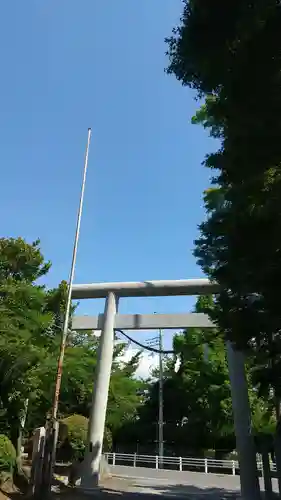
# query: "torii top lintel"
160,288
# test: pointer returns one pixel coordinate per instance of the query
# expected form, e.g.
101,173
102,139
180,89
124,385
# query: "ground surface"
143,484
177,483
138,483
147,488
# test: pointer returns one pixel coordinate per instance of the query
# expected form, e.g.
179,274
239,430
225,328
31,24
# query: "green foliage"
204,384
23,324
236,68
7,455
197,399
202,415
77,383
262,420
73,437
31,319
21,261
124,392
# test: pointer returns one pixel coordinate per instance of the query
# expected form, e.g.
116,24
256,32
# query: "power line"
143,346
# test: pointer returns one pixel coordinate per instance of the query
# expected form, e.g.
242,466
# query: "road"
167,483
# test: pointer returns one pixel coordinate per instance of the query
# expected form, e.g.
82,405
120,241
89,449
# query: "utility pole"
158,342
160,417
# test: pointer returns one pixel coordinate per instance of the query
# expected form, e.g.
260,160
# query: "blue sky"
68,65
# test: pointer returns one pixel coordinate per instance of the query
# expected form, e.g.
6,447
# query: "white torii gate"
110,320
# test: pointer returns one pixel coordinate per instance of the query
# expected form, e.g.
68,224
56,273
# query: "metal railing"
207,465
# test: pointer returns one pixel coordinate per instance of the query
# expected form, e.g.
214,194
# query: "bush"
7,455
73,438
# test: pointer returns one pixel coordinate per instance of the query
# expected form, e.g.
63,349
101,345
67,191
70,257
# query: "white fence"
206,465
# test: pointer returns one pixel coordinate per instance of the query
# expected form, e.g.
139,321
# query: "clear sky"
67,65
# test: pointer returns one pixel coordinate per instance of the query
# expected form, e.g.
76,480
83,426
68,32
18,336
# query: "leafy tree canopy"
235,66
31,319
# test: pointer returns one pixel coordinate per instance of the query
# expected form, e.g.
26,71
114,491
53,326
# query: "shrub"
73,437
7,455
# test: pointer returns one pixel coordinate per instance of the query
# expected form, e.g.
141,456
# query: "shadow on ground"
193,493
176,491
179,491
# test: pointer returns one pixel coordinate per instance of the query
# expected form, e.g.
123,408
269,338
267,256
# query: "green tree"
31,319
236,68
22,326
204,378
197,399
21,261
77,383
125,389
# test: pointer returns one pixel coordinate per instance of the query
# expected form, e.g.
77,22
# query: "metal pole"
91,466
250,489
52,425
160,419
70,283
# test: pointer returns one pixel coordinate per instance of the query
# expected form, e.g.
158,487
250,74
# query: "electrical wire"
151,349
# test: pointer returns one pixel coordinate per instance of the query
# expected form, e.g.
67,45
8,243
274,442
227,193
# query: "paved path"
139,483
175,483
